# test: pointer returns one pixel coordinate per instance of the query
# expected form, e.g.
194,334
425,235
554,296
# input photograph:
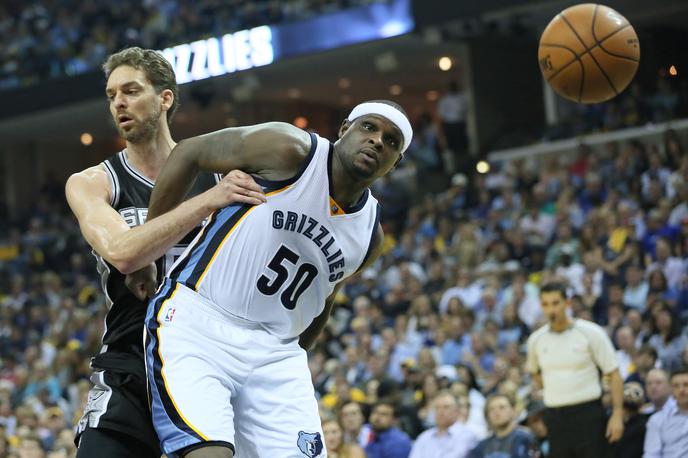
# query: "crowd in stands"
636,106
419,343
45,39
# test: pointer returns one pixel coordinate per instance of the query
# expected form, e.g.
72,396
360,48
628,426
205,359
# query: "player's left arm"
308,337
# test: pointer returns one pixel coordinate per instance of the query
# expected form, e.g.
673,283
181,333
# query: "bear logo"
310,444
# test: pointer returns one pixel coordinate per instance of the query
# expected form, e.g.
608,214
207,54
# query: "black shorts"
118,404
577,431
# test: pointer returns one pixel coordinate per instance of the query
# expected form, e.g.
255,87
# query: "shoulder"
590,329
280,136
657,418
523,434
400,435
537,334
425,435
93,180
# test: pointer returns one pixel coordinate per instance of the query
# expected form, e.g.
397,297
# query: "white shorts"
217,379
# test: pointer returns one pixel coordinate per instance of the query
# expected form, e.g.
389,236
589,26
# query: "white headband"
389,112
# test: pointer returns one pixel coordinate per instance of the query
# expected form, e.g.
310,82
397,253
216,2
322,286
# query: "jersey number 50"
299,283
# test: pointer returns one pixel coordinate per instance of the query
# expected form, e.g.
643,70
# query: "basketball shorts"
219,379
118,403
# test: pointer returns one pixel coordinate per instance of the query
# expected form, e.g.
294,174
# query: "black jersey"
131,192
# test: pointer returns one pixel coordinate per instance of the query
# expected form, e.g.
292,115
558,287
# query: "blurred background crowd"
44,39
437,328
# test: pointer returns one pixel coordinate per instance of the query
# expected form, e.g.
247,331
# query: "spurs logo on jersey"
134,216
276,263
130,193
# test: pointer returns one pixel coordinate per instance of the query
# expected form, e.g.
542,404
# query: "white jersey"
275,264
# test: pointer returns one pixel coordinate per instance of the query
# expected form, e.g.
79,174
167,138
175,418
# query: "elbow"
123,262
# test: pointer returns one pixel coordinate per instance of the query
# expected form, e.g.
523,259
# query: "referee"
566,357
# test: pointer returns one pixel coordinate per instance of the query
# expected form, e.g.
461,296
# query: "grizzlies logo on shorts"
310,444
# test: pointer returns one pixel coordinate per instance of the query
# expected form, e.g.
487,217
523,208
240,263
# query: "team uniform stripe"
206,260
132,171
157,380
201,257
182,262
202,253
114,181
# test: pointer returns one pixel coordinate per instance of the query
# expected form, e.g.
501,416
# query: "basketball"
589,53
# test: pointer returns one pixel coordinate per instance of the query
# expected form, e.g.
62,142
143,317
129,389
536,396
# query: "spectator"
671,266
658,390
625,341
666,437
668,340
387,441
645,360
535,422
335,444
449,438
635,292
452,110
353,424
631,443
507,439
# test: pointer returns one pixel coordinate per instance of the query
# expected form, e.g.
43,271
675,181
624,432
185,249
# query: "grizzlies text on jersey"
275,264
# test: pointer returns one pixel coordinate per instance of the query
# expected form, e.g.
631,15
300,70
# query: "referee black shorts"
577,431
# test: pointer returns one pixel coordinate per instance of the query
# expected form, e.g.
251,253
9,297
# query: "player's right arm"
272,150
130,249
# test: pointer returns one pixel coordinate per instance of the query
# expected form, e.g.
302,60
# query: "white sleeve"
602,350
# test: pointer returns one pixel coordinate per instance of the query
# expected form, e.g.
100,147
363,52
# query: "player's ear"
166,99
344,127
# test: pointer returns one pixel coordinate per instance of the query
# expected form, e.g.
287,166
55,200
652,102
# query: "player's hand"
236,186
143,283
615,428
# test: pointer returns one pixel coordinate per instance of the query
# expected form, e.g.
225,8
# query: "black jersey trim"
273,185
132,170
114,182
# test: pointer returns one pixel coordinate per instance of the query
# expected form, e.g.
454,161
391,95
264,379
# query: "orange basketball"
589,53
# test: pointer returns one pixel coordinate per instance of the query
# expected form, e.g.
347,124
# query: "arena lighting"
673,71
86,139
482,167
218,56
432,95
344,83
395,89
301,122
445,63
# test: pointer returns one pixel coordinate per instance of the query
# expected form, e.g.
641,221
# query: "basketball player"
225,332
109,201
